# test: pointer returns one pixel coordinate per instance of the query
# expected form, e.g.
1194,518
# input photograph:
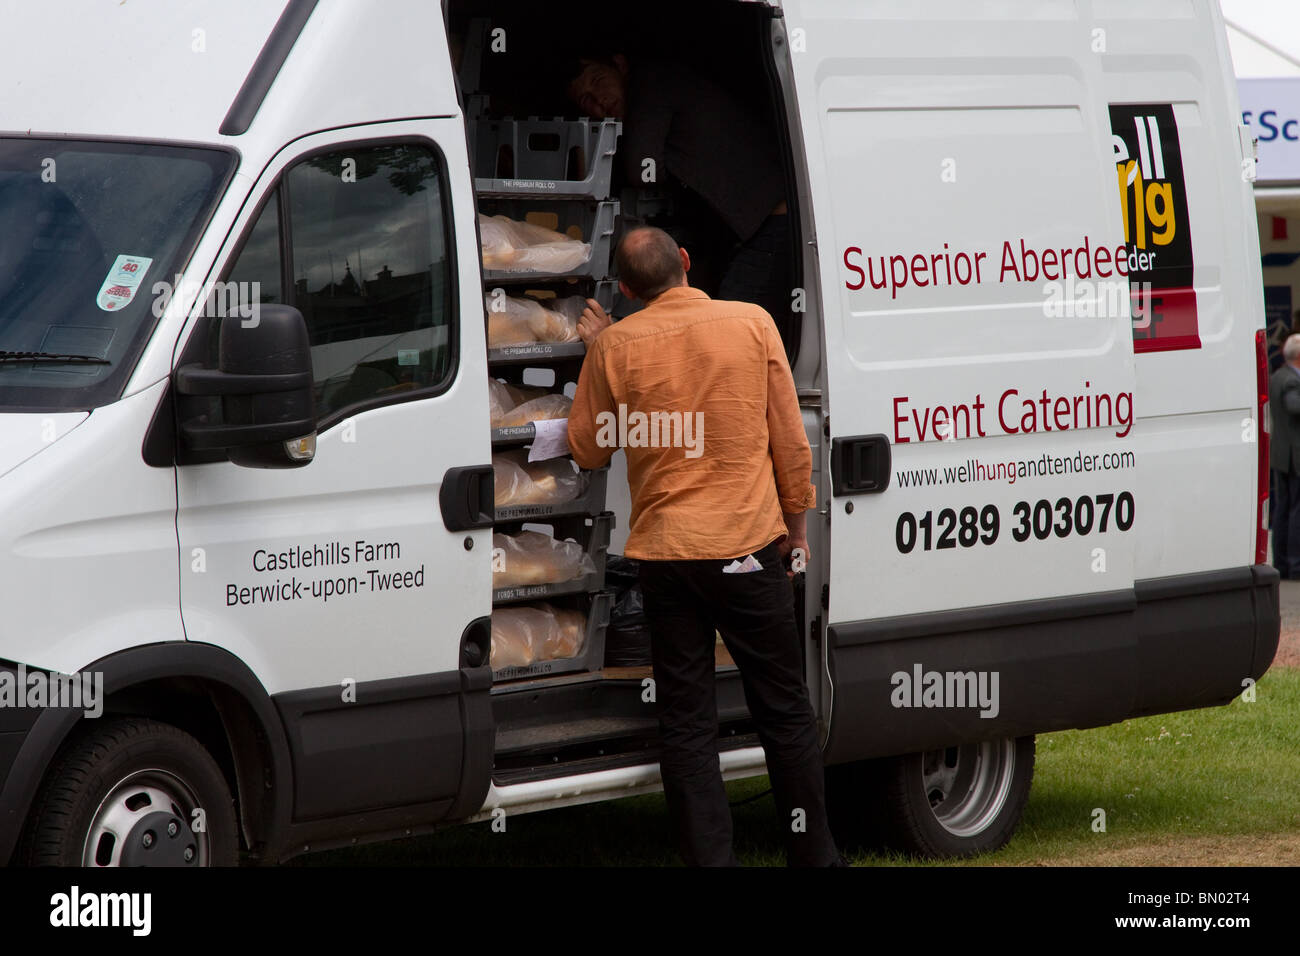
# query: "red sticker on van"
1157,233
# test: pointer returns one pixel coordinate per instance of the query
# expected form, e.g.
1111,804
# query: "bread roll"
551,326
531,557
513,637
526,247
525,393
565,640
521,482
543,490
508,481
502,258
529,634
540,409
507,328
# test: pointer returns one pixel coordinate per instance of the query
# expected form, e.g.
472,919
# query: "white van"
248,553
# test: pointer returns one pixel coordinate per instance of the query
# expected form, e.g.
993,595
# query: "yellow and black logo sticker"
1153,197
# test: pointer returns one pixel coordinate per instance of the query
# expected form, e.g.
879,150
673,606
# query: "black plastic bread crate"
549,158
592,222
595,544
513,436
590,502
597,607
547,290
542,288
606,293
644,204
533,352
614,302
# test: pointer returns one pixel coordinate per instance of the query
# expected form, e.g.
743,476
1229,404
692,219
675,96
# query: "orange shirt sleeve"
592,397
791,456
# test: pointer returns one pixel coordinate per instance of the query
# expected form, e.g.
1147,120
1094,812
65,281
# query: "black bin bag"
627,640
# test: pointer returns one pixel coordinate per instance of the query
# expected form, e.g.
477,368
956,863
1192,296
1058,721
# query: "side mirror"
264,382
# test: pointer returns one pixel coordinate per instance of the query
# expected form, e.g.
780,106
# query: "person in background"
713,517
683,126
1277,334
1284,454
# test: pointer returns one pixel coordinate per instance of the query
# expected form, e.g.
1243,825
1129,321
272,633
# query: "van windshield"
87,230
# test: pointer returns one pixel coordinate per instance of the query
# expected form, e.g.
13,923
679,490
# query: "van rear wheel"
134,792
957,801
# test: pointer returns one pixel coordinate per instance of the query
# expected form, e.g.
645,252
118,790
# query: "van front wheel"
134,792
957,801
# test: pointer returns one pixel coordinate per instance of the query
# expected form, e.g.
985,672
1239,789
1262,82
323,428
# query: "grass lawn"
1202,787
1220,781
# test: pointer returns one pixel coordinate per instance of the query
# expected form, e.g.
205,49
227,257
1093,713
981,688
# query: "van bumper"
1164,645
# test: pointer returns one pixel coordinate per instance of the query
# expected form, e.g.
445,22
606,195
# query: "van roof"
156,69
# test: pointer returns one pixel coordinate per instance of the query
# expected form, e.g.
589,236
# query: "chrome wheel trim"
128,801
967,786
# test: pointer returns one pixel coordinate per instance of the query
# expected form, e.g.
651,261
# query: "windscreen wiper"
6,356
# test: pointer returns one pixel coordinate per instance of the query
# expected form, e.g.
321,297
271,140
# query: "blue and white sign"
1271,108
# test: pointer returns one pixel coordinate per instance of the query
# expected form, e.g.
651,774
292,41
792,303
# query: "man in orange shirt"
699,394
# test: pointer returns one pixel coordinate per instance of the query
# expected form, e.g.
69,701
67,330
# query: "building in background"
1264,37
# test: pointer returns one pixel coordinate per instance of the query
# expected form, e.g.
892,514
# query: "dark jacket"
1284,415
700,135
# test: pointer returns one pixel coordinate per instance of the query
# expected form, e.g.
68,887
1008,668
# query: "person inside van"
679,125
712,520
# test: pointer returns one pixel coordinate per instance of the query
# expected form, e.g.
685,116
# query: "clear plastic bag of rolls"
530,634
512,246
530,558
521,482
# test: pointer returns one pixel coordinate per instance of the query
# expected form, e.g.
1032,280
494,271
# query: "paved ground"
1288,648
1288,651
1265,849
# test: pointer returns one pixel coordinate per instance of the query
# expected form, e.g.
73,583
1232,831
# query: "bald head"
649,262
1291,349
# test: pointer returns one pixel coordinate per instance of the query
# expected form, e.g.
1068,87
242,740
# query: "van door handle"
467,497
860,465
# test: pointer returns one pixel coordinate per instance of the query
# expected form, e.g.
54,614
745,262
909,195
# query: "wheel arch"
202,689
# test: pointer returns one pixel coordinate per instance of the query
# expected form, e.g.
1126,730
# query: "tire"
124,794
956,802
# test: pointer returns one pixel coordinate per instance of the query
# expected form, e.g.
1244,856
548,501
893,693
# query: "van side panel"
1065,379
88,547
954,164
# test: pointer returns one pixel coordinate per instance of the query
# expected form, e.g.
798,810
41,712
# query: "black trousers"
1284,516
685,601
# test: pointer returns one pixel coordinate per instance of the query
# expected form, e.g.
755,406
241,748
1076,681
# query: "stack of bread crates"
550,605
